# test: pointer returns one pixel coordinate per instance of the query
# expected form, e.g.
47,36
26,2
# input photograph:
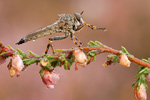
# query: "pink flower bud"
80,57
141,93
123,60
147,76
50,78
15,65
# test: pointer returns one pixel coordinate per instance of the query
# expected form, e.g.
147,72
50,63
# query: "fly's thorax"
65,17
65,22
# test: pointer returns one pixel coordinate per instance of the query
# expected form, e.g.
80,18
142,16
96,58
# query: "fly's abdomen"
39,33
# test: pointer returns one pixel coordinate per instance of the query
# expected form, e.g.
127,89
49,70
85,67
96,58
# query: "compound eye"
77,16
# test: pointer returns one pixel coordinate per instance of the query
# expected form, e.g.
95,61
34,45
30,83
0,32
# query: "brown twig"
110,50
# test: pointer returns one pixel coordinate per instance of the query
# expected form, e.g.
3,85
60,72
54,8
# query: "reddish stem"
110,50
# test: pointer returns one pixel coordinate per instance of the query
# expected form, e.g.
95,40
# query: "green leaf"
50,56
35,55
93,52
3,53
11,48
63,55
124,50
41,72
70,60
145,60
94,58
93,44
145,85
46,68
60,50
55,62
133,84
100,44
121,52
24,55
115,59
66,65
30,61
147,71
130,56
142,70
142,79
138,85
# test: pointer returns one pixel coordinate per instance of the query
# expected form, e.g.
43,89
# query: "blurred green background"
128,23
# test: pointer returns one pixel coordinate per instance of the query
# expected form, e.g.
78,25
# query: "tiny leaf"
66,65
93,44
60,50
11,48
124,50
93,52
3,53
35,55
145,60
50,56
24,55
30,61
100,44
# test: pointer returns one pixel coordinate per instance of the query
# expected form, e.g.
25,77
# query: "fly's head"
78,22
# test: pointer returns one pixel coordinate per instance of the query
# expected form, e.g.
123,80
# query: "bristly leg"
52,39
76,41
49,45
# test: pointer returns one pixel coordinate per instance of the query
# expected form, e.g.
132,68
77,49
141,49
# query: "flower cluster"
19,61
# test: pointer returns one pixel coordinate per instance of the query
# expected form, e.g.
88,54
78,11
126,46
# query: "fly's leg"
49,45
95,28
76,41
81,44
52,39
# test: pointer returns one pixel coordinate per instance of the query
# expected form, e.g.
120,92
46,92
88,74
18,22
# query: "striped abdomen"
53,28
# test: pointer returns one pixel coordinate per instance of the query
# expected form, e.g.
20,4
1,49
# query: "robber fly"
66,24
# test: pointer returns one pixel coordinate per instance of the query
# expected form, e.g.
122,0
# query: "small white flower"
80,57
123,60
